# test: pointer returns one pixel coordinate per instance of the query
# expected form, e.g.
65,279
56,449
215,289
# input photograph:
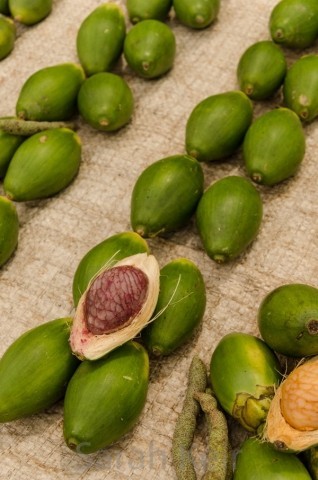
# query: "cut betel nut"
118,302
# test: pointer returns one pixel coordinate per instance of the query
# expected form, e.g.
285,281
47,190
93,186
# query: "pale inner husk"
86,345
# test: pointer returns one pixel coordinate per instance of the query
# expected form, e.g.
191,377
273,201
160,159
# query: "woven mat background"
55,233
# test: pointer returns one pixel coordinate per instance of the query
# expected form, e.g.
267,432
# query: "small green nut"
43,165
107,252
166,195
274,146
7,36
196,13
288,319
229,216
300,88
4,7
244,373
150,48
261,70
30,12
100,38
50,93
294,23
228,115
268,463
8,145
105,398
180,307
35,370
9,229
106,101
139,10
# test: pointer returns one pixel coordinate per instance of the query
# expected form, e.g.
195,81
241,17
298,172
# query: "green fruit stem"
29,127
219,455
186,423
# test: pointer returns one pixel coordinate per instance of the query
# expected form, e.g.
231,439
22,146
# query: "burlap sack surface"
36,284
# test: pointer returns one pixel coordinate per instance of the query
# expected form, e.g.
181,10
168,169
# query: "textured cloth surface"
36,284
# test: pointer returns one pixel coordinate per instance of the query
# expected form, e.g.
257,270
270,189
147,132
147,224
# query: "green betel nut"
288,320
30,12
267,462
106,102
139,10
217,125
9,229
8,145
261,70
196,13
50,93
43,165
100,38
165,195
107,252
274,146
294,23
244,373
105,398
7,36
150,48
4,7
300,88
180,307
229,216
35,370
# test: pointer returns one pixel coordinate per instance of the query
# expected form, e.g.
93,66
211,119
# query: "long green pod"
301,87
105,398
43,165
7,36
244,372
196,13
288,319
139,10
166,195
258,460
180,307
100,38
274,146
109,251
50,93
229,216
30,12
261,70
294,23
35,370
9,229
217,125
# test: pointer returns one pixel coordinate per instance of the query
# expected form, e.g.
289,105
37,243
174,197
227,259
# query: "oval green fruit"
150,48
105,101
180,307
165,195
196,13
50,93
105,398
229,216
30,12
228,115
274,146
294,23
288,319
8,145
4,7
258,460
43,165
109,251
35,370
300,88
100,38
261,70
244,373
139,10
7,36
9,229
